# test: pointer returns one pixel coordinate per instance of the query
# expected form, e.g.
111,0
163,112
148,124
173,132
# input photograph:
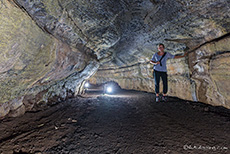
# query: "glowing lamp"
109,90
86,85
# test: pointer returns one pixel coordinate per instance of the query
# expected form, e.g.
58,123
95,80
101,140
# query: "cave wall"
209,66
36,68
202,76
140,77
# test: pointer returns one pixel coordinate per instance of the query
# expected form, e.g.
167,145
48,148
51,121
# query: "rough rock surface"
127,123
210,66
50,47
35,67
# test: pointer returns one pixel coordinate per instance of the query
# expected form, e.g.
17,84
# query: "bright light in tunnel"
109,89
86,85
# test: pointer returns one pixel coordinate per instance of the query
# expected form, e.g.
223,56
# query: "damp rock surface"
129,122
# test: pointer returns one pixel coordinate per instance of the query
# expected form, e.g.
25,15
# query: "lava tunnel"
114,76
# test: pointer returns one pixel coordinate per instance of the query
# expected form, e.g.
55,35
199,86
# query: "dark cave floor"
129,123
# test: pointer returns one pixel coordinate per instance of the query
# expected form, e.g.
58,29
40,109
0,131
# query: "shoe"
157,99
164,98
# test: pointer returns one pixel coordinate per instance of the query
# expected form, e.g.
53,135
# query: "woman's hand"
185,54
155,63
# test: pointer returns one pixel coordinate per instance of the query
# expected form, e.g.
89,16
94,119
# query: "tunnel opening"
108,87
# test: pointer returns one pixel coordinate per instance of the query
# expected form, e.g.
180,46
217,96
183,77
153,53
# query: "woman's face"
161,48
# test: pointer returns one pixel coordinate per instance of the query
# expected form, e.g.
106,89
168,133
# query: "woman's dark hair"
161,44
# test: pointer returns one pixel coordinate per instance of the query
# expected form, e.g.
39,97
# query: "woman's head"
161,47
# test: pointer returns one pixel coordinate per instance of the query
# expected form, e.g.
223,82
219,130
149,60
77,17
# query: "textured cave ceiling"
123,32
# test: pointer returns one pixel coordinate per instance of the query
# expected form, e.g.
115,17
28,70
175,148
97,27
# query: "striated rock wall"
140,77
203,76
35,67
210,67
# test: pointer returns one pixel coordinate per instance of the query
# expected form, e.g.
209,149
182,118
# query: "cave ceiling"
124,32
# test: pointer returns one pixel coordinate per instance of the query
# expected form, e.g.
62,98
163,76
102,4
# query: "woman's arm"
185,54
152,61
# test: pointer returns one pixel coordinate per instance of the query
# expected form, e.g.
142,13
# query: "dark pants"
164,78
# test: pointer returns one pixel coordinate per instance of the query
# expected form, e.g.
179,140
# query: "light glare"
109,90
87,85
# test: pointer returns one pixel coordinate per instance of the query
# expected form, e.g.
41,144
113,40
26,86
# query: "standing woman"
160,69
